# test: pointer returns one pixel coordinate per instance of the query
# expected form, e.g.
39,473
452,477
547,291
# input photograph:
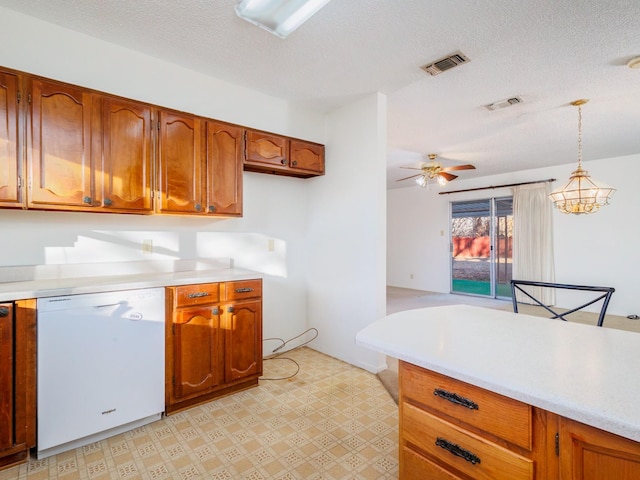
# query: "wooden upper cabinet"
126,174
224,169
266,150
307,156
181,164
61,150
10,135
277,155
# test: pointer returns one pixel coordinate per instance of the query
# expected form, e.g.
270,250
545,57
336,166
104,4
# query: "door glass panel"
481,247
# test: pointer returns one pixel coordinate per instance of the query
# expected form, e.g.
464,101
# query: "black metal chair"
520,286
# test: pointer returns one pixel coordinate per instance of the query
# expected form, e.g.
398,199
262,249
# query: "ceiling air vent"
507,102
446,63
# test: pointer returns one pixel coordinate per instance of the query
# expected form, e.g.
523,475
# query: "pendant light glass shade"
280,17
581,194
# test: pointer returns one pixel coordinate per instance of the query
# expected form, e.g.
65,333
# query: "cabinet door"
181,164
196,351
6,376
127,143
264,149
60,151
243,340
307,156
10,151
587,453
224,169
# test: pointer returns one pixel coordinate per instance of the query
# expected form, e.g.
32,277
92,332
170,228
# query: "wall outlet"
147,246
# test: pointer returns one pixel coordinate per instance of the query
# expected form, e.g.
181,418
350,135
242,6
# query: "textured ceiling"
548,52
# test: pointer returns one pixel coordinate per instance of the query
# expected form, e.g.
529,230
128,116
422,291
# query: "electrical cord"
278,356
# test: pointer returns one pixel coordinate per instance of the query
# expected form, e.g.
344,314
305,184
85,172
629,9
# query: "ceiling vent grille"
446,63
507,102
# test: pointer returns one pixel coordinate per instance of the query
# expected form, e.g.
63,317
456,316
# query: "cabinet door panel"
10,161
127,155
266,149
196,351
6,376
224,169
243,340
587,453
181,164
307,156
60,156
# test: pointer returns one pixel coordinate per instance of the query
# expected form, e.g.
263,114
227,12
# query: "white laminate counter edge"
109,283
577,371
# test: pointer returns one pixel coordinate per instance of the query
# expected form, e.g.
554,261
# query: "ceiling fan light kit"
581,194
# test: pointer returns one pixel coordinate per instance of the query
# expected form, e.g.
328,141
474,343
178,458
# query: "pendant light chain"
579,136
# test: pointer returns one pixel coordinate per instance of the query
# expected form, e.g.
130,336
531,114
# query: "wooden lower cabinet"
451,430
17,381
213,341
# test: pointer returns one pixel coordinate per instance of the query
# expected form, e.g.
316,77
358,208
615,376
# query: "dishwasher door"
100,366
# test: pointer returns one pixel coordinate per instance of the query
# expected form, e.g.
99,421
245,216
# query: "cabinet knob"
212,208
283,161
294,163
230,309
87,200
215,311
107,202
198,207
4,312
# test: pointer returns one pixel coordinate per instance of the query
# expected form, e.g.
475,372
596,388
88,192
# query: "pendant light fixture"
581,194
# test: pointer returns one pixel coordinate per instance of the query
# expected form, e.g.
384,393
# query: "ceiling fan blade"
407,178
458,167
448,176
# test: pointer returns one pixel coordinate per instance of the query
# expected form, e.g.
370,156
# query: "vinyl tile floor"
330,421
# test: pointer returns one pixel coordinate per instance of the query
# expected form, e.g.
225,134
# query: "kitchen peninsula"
488,394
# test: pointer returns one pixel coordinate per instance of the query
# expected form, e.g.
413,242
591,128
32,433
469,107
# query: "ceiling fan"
435,171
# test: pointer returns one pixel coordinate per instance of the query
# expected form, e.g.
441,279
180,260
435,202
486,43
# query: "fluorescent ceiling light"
280,17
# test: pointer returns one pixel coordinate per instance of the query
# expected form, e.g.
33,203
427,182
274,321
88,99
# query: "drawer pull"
198,294
457,450
455,398
244,290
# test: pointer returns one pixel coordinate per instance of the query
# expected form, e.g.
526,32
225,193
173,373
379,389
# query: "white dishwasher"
100,366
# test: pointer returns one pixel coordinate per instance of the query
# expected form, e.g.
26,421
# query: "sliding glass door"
481,242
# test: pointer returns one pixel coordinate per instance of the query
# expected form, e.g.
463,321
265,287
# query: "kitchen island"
548,379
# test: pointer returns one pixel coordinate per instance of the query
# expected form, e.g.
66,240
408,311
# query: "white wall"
347,244
274,207
597,249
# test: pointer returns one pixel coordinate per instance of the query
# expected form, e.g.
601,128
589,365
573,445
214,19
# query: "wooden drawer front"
477,457
501,416
243,289
414,466
199,294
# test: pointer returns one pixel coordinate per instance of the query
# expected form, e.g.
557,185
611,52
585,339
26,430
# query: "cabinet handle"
107,202
457,450
87,200
212,208
230,309
198,207
198,294
294,163
283,161
4,312
244,290
215,311
455,398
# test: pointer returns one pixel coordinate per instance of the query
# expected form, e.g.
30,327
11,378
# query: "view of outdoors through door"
481,247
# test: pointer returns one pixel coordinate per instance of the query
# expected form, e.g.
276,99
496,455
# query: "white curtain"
533,240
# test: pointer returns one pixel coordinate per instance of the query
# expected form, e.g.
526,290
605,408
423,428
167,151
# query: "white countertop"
107,283
585,373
